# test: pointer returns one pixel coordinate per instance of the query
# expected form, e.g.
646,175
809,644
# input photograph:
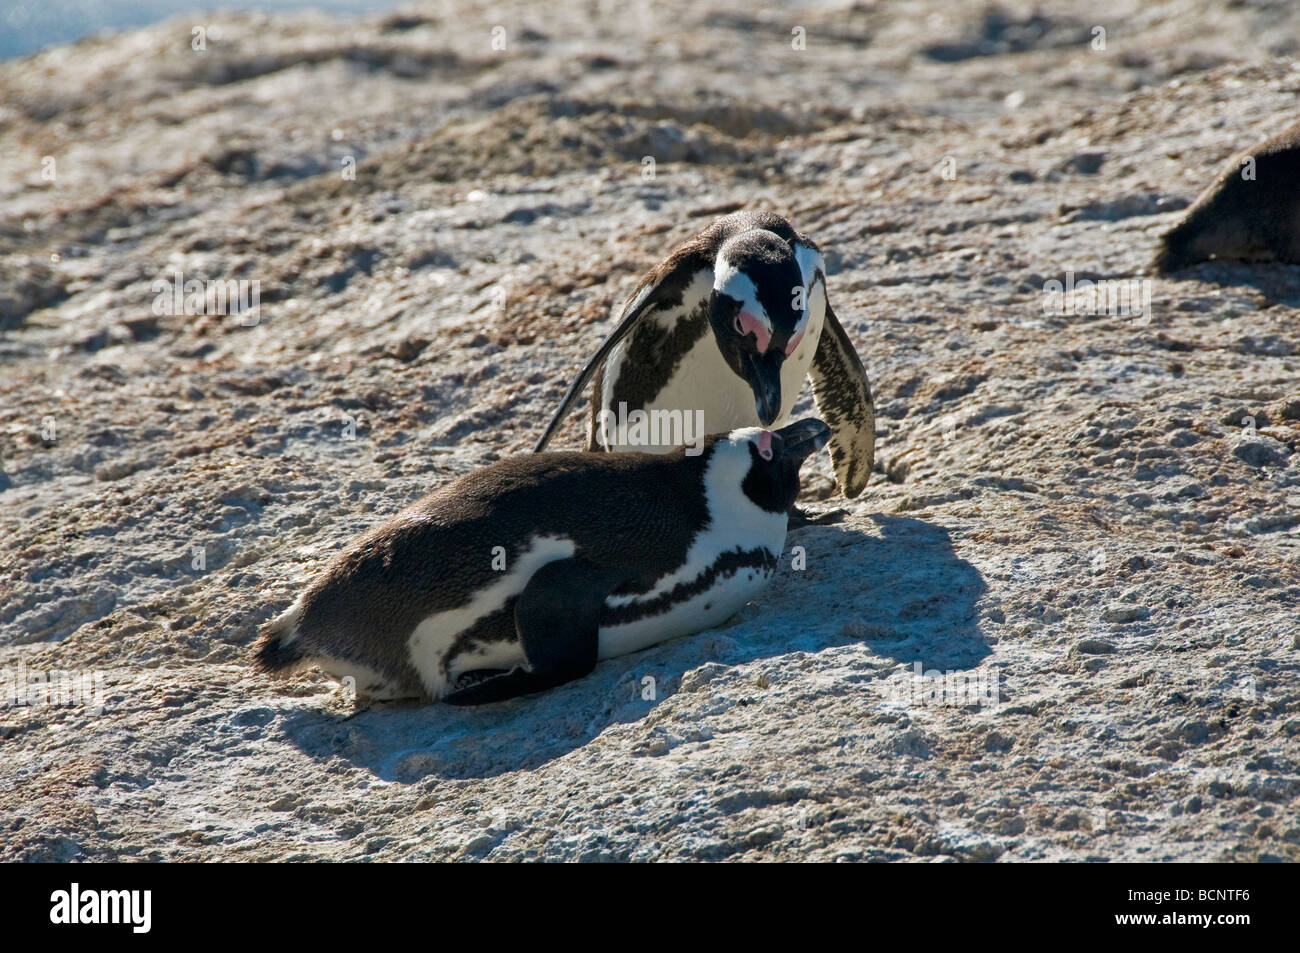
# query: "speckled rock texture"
1060,624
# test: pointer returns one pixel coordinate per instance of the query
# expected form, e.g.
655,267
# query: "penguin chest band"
709,599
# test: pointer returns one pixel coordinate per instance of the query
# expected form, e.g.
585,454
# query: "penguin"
727,327
519,576
1250,212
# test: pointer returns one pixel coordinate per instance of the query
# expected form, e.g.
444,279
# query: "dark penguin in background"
1241,218
603,555
730,324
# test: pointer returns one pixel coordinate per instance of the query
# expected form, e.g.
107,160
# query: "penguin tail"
277,650
1170,256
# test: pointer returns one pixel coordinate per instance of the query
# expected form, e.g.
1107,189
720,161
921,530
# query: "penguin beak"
765,379
802,439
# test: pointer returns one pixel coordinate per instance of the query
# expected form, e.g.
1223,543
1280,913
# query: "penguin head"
758,311
767,462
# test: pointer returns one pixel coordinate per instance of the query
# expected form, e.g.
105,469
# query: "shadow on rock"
919,599
1277,283
903,593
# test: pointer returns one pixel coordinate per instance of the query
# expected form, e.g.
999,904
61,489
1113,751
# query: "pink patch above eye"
794,343
765,445
752,324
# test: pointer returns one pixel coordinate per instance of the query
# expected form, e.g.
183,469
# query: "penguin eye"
766,453
740,328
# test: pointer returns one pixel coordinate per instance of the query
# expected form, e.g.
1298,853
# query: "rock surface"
1084,526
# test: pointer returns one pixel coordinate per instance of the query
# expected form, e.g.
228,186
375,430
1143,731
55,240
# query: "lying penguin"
518,577
1250,212
728,325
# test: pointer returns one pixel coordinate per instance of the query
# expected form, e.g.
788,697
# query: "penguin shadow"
900,591
1278,283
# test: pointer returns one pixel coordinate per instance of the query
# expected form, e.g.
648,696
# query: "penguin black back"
624,549
1250,212
435,554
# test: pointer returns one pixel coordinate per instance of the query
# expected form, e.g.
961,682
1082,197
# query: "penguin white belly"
725,567
703,382
704,610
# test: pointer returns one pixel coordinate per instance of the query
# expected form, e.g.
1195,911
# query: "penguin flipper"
843,396
672,273
557,617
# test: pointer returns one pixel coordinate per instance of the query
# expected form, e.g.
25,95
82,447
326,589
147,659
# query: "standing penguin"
518,577
729,325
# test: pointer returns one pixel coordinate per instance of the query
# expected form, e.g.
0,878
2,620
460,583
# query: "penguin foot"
364,705
797,518
557,617
484,686
478,676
